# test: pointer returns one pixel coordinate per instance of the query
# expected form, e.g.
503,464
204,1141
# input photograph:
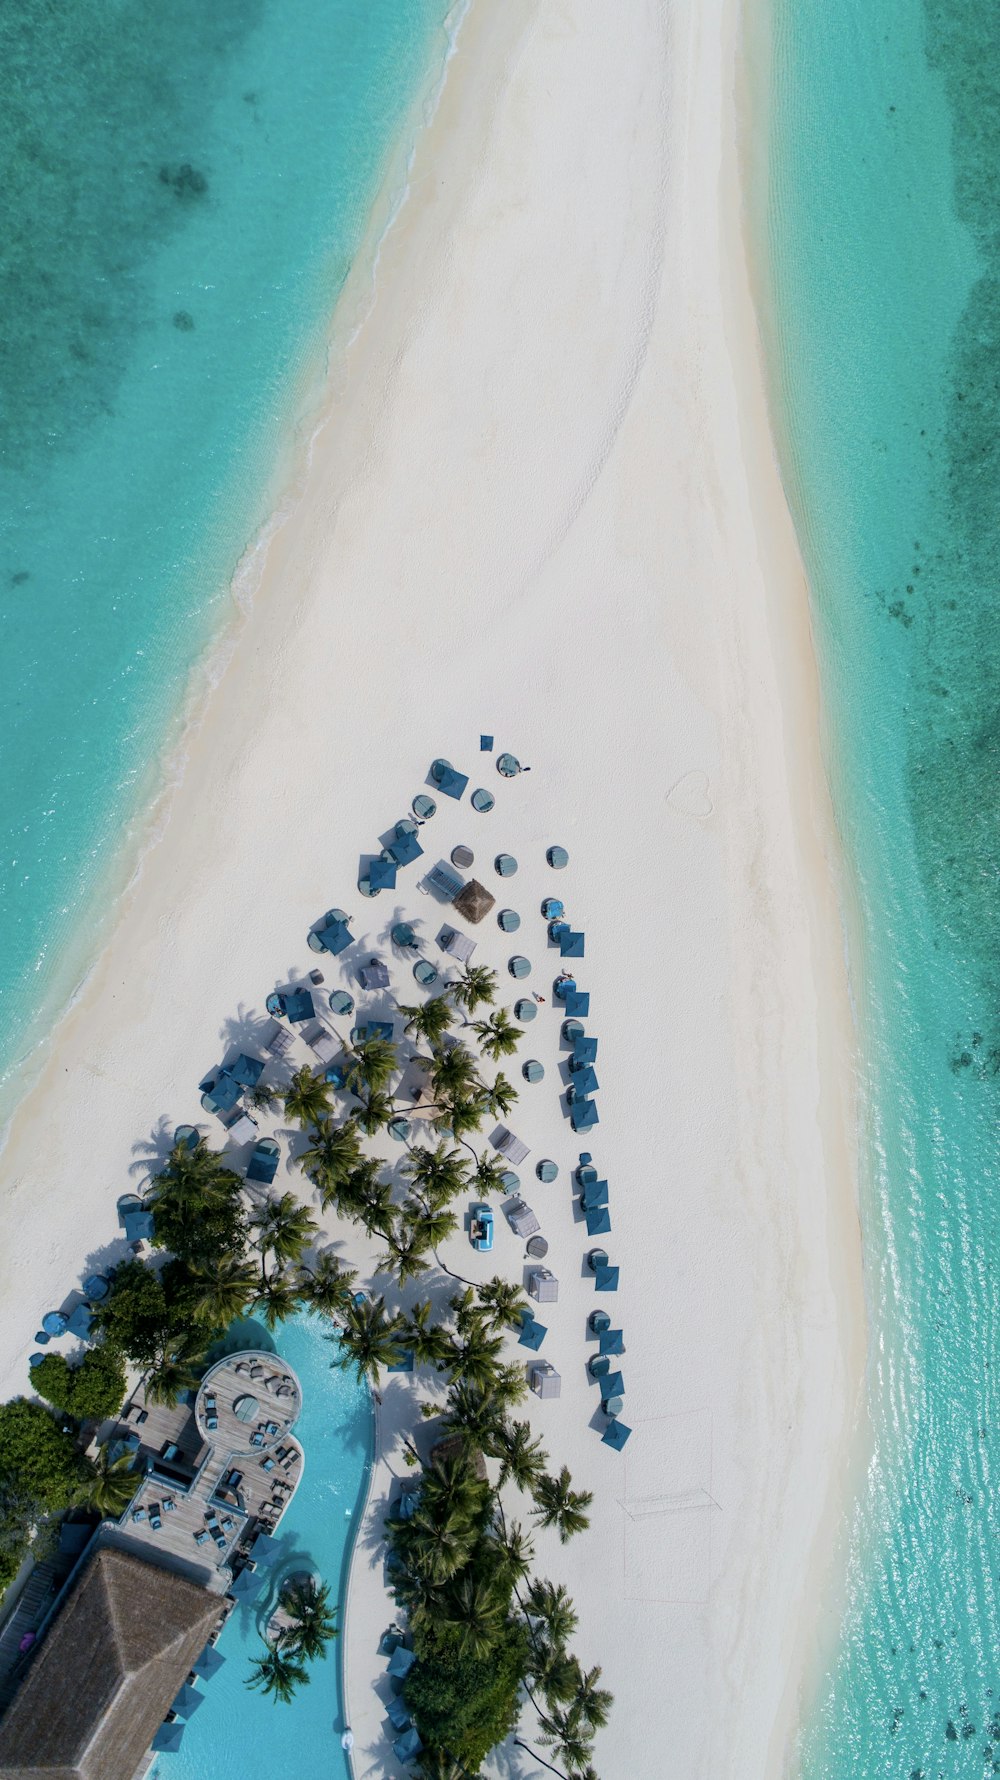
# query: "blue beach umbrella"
210,1662
616,1434
382,874
187,1702
168,1738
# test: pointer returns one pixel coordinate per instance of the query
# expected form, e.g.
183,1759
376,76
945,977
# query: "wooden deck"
213,1487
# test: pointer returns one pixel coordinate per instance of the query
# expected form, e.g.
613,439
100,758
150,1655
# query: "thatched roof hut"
474,902
107,1671
452,1446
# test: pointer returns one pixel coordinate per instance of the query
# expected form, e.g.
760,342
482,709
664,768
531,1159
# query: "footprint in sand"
691,796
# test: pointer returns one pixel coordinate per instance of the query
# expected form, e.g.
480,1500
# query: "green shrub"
134,1315
36,1458
465,1705
89,1392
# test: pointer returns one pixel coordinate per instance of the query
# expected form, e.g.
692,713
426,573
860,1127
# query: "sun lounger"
138,1515
154,1516
201,1536
457,945
280,1042
509,1146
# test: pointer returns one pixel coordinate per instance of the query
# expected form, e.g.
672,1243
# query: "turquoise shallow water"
883,337
184,190
239,1733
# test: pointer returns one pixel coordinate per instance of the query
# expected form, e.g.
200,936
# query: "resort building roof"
115,1657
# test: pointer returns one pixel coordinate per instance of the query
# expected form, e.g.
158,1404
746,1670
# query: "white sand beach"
543,503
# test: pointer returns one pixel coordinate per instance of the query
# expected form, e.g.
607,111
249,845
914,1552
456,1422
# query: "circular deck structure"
247,1402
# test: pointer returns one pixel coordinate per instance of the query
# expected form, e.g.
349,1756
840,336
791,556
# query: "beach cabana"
505,864
532,1070
577,1002
382,874
405,848
584,1051
585,1080
373,975
543,1286
510,1147
544,1380
474,902
297,1005
457,945
615,1434
423,807
444,882
136,1221
558,858
598,1220
341,1002
606,1279
425,973
532,1334
612,1341
521,1218
483,801
583,1115
263,1164
335,937
220,1093
525,1011
612,1385
400,1663
571,944
546,1170
447,780
519,967
508,920
508,765
404,936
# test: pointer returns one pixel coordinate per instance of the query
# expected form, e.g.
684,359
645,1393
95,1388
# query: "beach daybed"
322,1042
558,858
373,975
242,1128
521,1218
279,1043
483,801
510,1147
508,920
457,945
444,882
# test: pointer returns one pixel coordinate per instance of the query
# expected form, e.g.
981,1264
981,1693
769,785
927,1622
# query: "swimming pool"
239,1734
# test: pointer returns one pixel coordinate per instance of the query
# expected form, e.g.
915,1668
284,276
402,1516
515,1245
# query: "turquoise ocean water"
883,332
239,1733
184,190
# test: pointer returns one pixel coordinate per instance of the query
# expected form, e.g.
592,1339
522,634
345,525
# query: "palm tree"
474,1414
593,1703
335,1150
371,1064
327,1285
438,1175
498,1036
450,1486
475,1610
476,987
429,1342
110,1484
312,1619
225,1289
370,1339
405,1253
550,1603
503,1302
558,1505
308,1098
522,1458
279,1673
430,1021
438,1546
566,1733
518,1552
488,1175
501,1097
377,1109
276,1299
454,1075
195,1175
284,1228
174,1372
463,1115
475,1356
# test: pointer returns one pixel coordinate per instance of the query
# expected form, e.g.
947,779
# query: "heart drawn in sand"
690,796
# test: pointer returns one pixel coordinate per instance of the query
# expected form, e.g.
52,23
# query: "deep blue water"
185,188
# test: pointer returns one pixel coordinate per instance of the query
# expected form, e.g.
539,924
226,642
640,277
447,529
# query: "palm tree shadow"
245,1027
157,1147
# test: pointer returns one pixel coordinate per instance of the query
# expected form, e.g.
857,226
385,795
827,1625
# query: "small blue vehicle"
481,1228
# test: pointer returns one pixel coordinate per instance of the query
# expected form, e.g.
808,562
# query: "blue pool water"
185,188
883,336
239,1733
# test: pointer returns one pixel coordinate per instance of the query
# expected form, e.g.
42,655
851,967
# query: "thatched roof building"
474,902
106,1673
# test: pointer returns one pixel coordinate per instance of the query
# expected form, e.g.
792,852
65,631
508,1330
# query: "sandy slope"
545,505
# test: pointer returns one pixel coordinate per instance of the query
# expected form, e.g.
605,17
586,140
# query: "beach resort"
434,1333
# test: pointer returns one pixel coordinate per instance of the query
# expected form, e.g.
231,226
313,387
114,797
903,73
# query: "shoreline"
579,560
